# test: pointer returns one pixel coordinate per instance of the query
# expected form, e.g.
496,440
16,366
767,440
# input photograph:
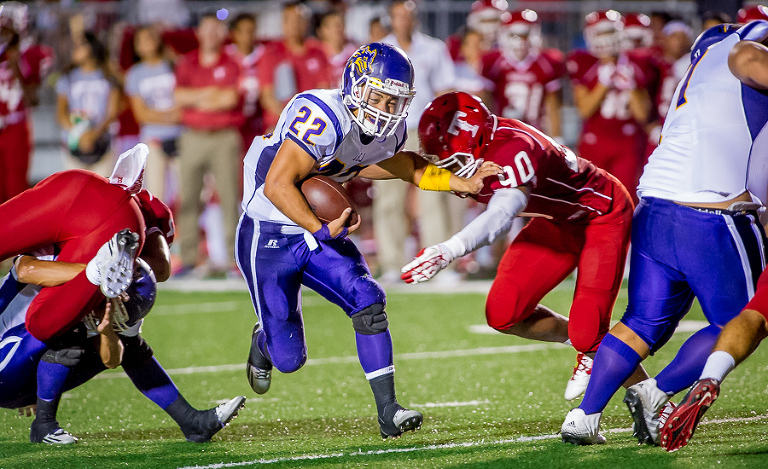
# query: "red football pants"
759,302
545,253
14,160
78,211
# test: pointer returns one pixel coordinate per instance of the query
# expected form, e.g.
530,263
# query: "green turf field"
487,402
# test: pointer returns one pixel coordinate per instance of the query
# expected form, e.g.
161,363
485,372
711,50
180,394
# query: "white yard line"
353,359
684,326
466,444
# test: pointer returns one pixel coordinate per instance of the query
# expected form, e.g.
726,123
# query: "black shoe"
259,368
50,433
396,420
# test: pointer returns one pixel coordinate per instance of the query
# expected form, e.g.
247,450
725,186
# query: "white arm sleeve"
496,221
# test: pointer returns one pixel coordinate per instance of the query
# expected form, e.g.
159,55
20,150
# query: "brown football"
328,199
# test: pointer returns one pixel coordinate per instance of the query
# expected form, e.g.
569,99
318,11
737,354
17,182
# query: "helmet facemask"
520,39
373,121
466,163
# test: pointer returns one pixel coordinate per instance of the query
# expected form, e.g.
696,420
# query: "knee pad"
371,320
136,351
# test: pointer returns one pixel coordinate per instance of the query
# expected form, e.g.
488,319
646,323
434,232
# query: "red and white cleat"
580,377
681,423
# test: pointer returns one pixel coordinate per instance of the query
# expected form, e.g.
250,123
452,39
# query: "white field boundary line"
353,359
412,449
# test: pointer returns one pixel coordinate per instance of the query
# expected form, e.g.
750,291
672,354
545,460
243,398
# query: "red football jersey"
157,215
249,85
613,120
520,86
564,187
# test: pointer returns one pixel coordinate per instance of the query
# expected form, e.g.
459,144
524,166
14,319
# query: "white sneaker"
582,429
227,411
645,402
112,267
580,377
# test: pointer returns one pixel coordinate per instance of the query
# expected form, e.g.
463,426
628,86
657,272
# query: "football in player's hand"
328,199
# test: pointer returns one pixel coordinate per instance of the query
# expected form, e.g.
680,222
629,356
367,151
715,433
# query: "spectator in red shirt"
242,32
330,31
292,64
207,91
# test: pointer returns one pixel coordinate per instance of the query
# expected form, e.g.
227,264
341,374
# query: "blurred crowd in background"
198,81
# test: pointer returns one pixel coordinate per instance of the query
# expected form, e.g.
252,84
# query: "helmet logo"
397,86
362,60
457,125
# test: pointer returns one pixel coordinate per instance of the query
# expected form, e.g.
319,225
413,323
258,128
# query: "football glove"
428,262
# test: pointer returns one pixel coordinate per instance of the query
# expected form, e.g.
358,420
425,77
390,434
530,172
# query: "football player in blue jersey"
34,375
695,231
358,130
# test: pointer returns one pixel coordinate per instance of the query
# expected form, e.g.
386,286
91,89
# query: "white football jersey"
319,122
714,142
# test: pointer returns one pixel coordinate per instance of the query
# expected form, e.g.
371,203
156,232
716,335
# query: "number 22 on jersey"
317,126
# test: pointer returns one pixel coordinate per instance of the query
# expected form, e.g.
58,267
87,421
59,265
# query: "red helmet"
756,12
453,130
602,32
637,31
484,17
519,32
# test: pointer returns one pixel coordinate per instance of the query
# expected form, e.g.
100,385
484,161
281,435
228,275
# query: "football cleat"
114,261
581,429
211,421
259,368
681,423
645,402
580,377
398,420
50,434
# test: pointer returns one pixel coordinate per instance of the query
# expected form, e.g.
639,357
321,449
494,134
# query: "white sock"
92,272
718,365
568,342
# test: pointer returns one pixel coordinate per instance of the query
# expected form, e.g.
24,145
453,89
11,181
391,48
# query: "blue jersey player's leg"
19,354
339,273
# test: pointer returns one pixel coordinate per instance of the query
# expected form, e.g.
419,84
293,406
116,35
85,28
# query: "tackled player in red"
581,218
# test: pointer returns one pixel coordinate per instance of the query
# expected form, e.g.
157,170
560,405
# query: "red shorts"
77,211
545,253
759,302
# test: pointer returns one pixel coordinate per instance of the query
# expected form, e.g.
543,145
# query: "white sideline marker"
411,449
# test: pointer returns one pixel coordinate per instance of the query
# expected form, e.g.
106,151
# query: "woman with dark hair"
149,85
88,99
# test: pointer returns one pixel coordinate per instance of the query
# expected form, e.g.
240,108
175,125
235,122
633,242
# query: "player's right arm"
748,61
291,165
110,347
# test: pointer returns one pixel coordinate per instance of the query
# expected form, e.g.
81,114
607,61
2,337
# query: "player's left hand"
474,184
28,411
428,262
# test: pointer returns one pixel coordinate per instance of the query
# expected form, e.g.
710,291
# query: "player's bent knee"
371,320
501,316
289,363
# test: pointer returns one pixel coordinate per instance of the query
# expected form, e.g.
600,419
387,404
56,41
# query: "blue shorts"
679,253
276,260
